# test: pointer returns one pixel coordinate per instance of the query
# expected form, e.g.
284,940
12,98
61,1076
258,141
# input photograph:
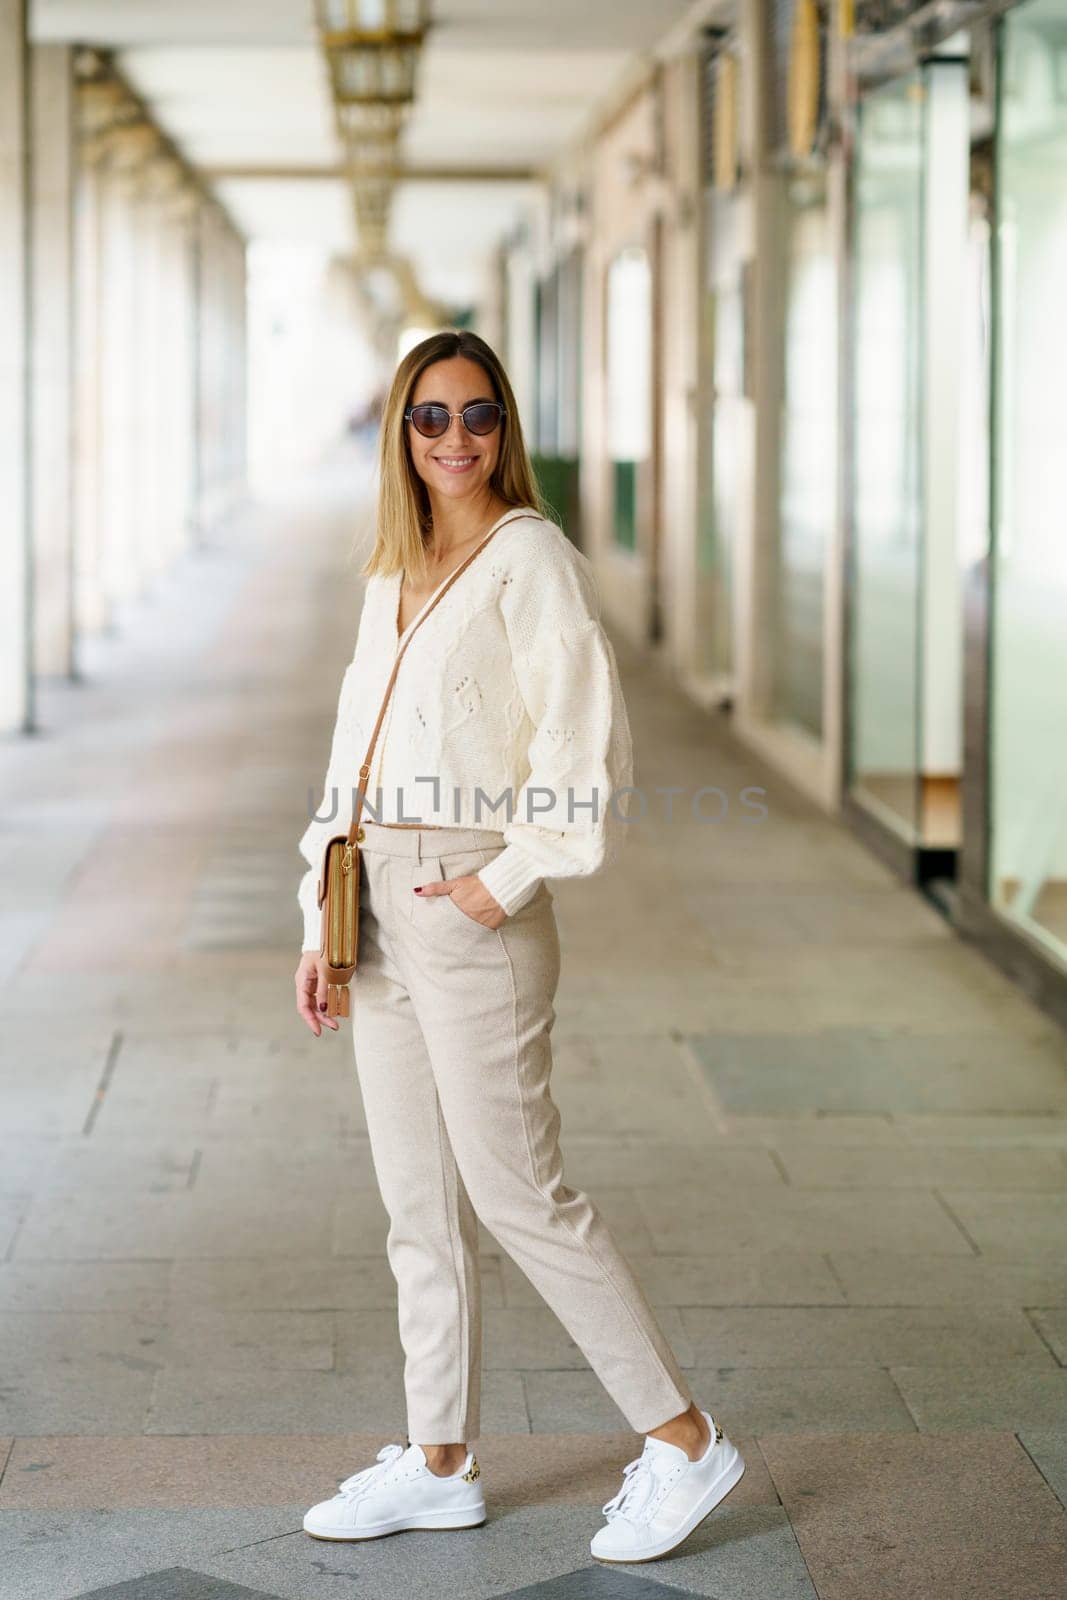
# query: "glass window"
807,495
547,345
629,383
722,437
1029,617
570,356
887,546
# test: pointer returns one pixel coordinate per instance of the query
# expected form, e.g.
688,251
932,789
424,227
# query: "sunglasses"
433,420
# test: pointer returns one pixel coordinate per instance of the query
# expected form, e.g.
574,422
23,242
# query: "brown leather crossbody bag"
341,874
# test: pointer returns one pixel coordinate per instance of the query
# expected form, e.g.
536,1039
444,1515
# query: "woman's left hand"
471,896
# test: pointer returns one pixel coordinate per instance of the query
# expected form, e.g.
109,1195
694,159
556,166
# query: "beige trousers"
451,1023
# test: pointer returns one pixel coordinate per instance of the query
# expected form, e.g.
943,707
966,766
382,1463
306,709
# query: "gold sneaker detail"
475,1472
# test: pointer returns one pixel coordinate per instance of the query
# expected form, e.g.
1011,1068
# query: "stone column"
180,409
123,540
238,337
90,605
117,386
170,393
52,356
169,205
205,345
95,104
16,570
150,317
220,347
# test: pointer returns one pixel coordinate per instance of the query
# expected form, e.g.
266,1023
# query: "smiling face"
459,465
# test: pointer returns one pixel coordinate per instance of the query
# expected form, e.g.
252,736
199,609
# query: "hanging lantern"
372,47
372,51
370,122
371,136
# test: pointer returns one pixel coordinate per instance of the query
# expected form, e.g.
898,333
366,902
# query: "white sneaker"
664,1495
401,1492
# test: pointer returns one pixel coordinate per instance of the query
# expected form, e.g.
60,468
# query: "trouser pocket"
462,864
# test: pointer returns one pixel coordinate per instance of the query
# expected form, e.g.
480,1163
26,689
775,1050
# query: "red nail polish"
419,889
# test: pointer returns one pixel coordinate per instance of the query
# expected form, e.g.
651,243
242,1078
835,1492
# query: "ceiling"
503,84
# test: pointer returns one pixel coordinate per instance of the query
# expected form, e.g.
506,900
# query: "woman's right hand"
311,988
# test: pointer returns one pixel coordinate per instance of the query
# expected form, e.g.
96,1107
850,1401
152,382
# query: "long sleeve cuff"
512,878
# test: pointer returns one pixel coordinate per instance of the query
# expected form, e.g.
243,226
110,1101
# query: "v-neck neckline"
399,636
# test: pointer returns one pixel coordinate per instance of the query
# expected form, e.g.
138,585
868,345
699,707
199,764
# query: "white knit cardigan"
508,694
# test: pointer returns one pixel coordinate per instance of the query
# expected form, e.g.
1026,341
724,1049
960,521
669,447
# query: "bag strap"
364,771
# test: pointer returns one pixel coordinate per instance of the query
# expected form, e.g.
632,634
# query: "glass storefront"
558,341
721,439
807,472
1028,679
887,419
546,342
629,385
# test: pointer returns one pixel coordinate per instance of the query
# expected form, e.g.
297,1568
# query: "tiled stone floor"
831,1138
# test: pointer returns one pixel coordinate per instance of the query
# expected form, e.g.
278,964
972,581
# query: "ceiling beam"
338,172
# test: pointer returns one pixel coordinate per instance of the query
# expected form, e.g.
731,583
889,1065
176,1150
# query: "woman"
508,698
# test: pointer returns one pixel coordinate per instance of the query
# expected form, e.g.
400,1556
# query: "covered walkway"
830,1135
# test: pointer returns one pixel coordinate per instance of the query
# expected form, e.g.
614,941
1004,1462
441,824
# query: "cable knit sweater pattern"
507,713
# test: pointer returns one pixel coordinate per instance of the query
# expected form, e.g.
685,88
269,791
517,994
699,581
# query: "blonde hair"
404,518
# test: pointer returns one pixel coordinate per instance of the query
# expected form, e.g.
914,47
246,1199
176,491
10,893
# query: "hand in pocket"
470,896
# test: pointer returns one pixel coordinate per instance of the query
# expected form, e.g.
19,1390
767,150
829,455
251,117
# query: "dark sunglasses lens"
481,418
431,421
